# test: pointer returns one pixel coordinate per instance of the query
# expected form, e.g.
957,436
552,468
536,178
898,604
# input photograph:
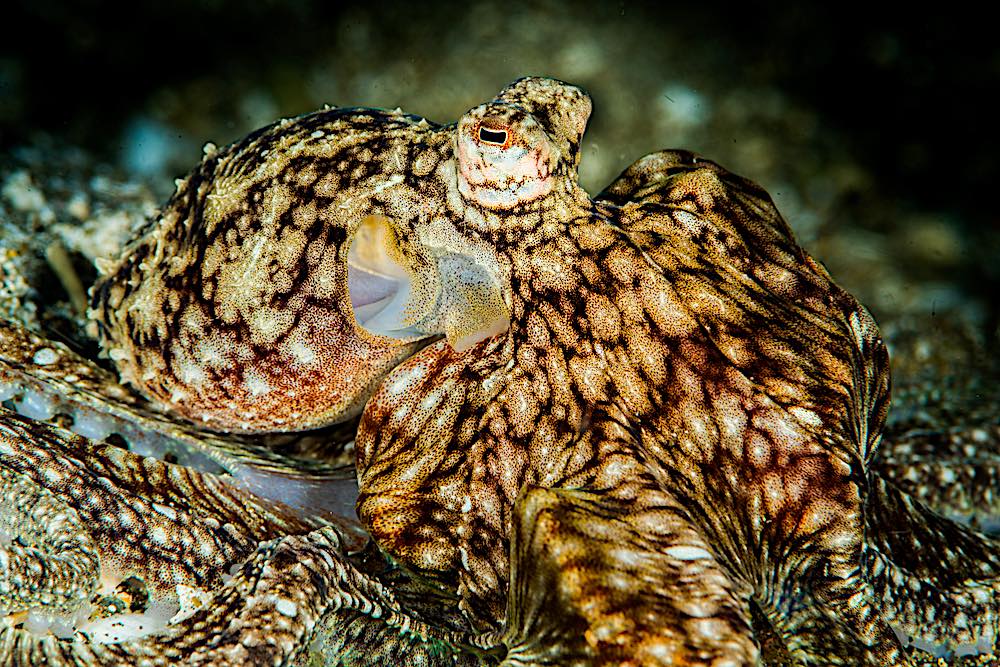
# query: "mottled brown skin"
679,372
292,582
645,368
231,308
649,427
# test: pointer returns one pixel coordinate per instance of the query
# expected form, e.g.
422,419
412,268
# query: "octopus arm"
293,589
47,380
939,581
104,483
766,309
295,599
652,179
37,528
598,582
85,517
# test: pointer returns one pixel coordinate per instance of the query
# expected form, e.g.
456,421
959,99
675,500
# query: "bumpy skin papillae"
169,526
124,501
668,341
36,528
648,409
232,308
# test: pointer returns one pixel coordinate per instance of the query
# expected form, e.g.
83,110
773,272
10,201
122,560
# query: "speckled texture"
172,527
680,416
243,279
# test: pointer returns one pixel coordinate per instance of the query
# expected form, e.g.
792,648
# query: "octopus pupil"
492,136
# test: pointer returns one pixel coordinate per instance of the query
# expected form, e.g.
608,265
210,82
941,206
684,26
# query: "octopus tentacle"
45,379
962,618
168,522
169,526
47,557
824,639
427,491
848,621
938,580
693,219
602,582
294,595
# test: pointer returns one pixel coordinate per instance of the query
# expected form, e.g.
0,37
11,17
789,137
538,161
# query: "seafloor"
869,131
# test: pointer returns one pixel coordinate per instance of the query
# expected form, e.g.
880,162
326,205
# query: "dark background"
913,91
902,99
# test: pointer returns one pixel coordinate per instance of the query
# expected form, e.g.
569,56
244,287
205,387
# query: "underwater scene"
548,333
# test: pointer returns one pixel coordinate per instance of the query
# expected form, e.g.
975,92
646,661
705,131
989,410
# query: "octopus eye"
505,158
488,136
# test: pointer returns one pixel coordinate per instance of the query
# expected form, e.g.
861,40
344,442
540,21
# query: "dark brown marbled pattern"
649,433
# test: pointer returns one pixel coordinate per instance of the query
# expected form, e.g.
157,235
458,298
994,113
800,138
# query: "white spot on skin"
431,399
699,608
687,552
45,356
286,608
405,380
807,417
166,511
188,371
629,557
301,352
211,353
760,453
710,628
255,383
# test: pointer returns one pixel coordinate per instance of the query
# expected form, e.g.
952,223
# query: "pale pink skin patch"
502,176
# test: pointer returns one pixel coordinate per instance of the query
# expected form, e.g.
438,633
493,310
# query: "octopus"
641,428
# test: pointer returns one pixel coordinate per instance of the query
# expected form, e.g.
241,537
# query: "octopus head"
517,148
